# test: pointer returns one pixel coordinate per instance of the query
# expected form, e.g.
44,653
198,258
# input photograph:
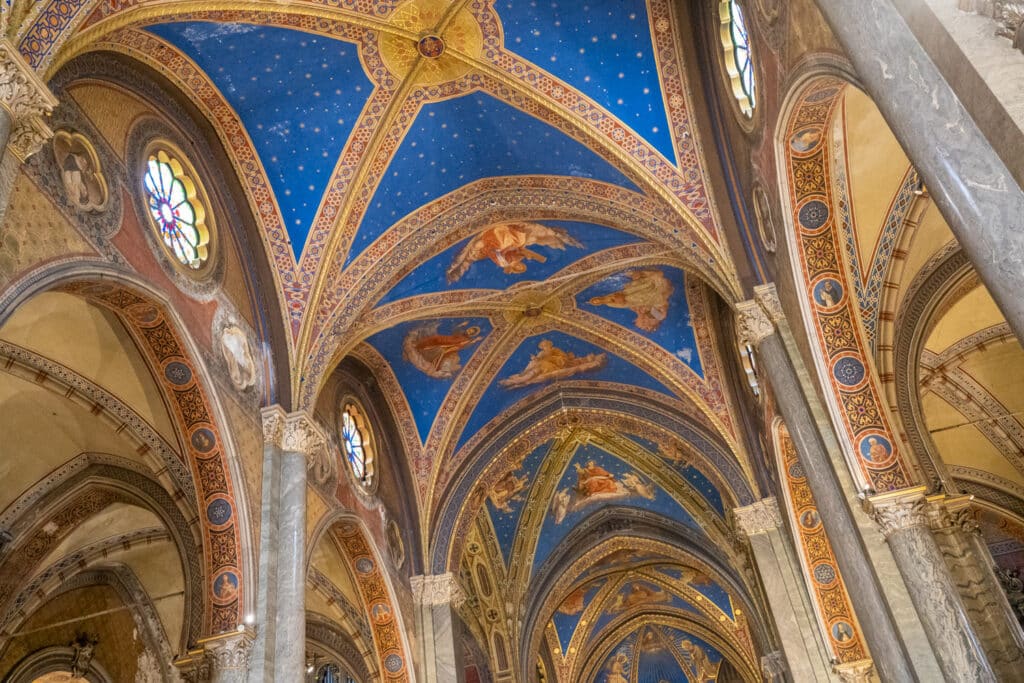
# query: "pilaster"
803,656
437,600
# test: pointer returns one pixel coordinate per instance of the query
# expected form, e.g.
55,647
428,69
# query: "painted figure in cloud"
617,672
575,601
551,363
507,490
507,246
595,484
638,594
436,354
700,666
646,294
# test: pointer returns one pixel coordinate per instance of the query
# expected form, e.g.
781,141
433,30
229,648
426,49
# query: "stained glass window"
355,436
738,59
176,210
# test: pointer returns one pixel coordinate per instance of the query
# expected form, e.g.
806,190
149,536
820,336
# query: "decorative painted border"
846,355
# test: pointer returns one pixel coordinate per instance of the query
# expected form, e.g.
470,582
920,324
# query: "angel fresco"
436,354
638,594
701,668
506,490
551,363
595,484
507,246
617,669
647,294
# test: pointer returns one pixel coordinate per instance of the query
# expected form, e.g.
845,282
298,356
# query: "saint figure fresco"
701,668
646,294
617,669
506,490
595,484
436,354
84,184
507,246
574,602
551,363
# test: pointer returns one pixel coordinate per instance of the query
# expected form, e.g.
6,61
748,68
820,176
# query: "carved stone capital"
759,518
752,323
768,297
898,510
22,93
28,136
773,667
438,589
229,651
295,432
860,671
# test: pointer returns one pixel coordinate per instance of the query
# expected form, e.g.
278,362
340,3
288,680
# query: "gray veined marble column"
437,598
887,649
292,443
804,651
972,569
901,515
972,187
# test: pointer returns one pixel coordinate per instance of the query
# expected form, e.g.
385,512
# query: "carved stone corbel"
26,99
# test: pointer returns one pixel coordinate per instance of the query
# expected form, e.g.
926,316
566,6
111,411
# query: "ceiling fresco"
656,654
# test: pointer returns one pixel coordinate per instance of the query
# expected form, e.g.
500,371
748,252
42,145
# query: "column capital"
296,432
437,589
758,518
25,97
752,323
229,651
860,671
768,296
898,510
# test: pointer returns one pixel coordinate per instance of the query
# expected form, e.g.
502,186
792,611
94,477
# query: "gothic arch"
178,369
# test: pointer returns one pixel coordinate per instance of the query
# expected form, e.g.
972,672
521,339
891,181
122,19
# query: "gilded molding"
899,510
759,518
752,323
437,589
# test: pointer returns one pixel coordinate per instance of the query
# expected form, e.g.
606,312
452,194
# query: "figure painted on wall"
828,293
876,449
618,669
551,363
675,454
697,660
574,602
646,293
226,587
595,484
381,613
507,246
805,140
80,171
842,631
234,347
638,594
436,354
507,490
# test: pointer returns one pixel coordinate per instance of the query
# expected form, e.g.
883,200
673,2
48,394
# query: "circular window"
738,60
177,209
357,439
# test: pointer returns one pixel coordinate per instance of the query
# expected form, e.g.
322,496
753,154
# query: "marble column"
973,189
902,517
973,571
292,443
437,598
757,328
806,657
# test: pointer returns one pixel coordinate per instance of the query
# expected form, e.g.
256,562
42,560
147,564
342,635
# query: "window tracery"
739,62
176,209
357,440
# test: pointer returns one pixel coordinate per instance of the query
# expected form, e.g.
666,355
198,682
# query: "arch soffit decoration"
78,490
668,544
328,636
41,50
567,413
875,453
182,379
